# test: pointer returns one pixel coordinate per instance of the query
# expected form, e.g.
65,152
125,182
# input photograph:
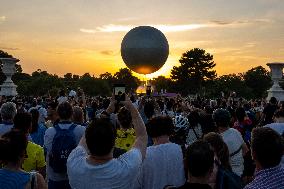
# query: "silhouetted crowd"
79,142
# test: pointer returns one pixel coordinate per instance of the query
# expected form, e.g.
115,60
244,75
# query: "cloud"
124,28
10,48
167,28
107,52
2,19
128,19
87,30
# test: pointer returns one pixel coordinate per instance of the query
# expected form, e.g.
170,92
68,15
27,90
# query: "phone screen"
119,90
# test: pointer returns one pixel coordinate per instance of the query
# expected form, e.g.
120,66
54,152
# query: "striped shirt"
272,178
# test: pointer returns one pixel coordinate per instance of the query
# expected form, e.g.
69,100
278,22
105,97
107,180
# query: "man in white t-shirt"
163,164
233,138
91,165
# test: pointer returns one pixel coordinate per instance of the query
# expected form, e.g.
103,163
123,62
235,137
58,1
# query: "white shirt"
72,93
163,165
48,139
62,99
278,127
117,173
168,113
234,141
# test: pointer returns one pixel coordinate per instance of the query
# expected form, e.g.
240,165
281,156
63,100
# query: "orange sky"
80,36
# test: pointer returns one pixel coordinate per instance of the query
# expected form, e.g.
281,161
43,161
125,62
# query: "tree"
162,82
230,83
94,86
124,76
4,54
259,80
196,67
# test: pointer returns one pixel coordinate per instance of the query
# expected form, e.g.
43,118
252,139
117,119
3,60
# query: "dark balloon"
144,49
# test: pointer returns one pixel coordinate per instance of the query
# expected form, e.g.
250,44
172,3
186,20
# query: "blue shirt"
13,180
272,178
37,137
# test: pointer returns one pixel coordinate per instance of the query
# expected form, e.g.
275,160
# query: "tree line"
194,75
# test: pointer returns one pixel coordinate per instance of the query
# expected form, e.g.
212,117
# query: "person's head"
160,126
124,117
35,117
149,109
240,114
279,115
106,103
78,115
23,122
222,117
13,147
100,137
267,147
8,111
273,100
220,148
193,118
199,159
62,92
169,105
65,111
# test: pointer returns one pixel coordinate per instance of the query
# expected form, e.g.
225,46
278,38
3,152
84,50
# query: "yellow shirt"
125,139
35,159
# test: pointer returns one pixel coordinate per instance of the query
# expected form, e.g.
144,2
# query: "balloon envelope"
144,49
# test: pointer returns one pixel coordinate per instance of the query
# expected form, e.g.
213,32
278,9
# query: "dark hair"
62,92
222,117
273,100
159,126
267,145
23,121
124,117
106,103
240,114
100,137
35,117
220,148
149,109
199,158
193,118
279,113
169,105
13,146
65,110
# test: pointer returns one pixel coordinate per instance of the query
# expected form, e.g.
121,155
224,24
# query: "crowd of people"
141,142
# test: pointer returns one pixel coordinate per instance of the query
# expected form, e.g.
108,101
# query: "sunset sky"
80,36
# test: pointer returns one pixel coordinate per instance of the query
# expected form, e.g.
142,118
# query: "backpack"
228,180
62,145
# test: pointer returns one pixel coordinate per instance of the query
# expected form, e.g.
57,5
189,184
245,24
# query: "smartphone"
119,92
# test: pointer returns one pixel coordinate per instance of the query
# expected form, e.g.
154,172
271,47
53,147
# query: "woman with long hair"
13,152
